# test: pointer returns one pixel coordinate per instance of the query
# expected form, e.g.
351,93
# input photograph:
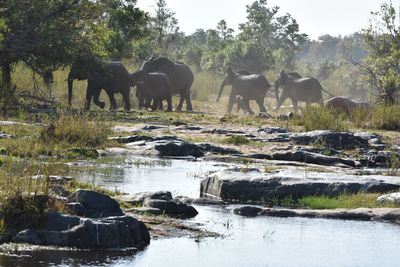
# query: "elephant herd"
159,78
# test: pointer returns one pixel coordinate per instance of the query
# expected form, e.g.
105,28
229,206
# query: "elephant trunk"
221,88
70,85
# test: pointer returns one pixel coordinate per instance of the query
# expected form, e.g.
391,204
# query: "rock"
177,149
313,158
72,231
152,127
171,208
145,210
248,211
236,185
206,147
337,140
272,130
363,214
189,128
131,139
389,198
95,204
6,136
138,198
200,201
224,131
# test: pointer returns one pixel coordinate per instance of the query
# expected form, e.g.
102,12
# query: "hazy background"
315,17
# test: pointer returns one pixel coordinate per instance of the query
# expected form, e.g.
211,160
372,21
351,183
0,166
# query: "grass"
322,118
236,140
385,118
345,201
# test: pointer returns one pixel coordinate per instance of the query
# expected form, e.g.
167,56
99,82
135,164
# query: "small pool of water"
138,174
261,241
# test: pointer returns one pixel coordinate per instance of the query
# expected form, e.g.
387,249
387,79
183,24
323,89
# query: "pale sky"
315,17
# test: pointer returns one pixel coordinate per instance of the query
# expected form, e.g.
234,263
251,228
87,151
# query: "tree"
166,26
382,65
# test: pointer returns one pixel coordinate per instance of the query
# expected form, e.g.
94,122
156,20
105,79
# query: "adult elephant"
277,83
306,89
112,76
179,74
152,86
249,86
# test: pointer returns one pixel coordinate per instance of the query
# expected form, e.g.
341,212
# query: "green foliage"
345,201
385,118
236,140
322,118
382,66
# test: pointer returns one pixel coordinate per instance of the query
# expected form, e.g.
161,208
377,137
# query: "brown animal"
345,104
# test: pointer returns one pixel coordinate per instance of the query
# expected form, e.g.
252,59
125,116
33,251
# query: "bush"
385,118
322,118
78,131
237,140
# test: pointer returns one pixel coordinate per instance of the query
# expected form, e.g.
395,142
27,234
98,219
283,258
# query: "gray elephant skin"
112,76
345,104
152,86
277,84
307,89
179,74
250,87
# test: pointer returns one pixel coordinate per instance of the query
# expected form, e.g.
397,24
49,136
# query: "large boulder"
172,208
92,204
253,185
177,148
138,198
73,231
333,139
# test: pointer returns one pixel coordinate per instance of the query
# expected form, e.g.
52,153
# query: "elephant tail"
327,92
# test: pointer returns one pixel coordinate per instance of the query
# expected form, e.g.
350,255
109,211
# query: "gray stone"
138,198
272,130
200,201
171,208
236,185
177,149
96,204
72,231
206,147
389,198
337,140
248,211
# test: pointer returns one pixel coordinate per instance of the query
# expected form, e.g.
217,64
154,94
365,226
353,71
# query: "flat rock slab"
252,185
84,233
364,214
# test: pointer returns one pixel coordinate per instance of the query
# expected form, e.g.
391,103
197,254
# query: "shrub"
322,118
237,140
385,118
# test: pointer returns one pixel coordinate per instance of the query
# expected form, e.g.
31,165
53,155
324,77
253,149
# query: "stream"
261,241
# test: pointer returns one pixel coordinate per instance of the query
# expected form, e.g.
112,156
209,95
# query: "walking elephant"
277,83
250,87
179,74
306,89
152,86
112,76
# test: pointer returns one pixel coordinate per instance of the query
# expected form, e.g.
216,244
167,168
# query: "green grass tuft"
236,140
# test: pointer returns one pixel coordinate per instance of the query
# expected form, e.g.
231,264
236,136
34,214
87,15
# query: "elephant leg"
89,95
295,106
246,106
160,105
179,107
189,106
232,101
280,102
260,103
169,103
127,101
155,104
113,103
96,99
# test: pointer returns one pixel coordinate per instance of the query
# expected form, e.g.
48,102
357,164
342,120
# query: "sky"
315,17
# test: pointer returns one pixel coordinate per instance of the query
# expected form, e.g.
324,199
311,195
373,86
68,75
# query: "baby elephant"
152,86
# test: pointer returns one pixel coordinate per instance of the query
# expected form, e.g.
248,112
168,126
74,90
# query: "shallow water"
262,241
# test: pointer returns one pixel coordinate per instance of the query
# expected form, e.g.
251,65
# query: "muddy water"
252,242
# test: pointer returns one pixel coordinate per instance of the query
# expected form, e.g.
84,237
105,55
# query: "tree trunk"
6,75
